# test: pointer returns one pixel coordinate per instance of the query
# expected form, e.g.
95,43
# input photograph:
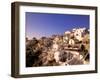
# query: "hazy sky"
43,24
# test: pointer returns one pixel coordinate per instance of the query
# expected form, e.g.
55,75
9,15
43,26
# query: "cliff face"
71,48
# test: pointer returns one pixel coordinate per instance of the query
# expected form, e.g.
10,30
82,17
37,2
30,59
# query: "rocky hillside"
71,48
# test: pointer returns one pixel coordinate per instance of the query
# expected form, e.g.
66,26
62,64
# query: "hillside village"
71,48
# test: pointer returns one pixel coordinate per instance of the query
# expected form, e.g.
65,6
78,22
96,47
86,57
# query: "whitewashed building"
79,33
66,36
71,42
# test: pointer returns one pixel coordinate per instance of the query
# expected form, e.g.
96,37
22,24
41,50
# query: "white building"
65,39
56,56
71,42
66,36
79,33
55,47
67,32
